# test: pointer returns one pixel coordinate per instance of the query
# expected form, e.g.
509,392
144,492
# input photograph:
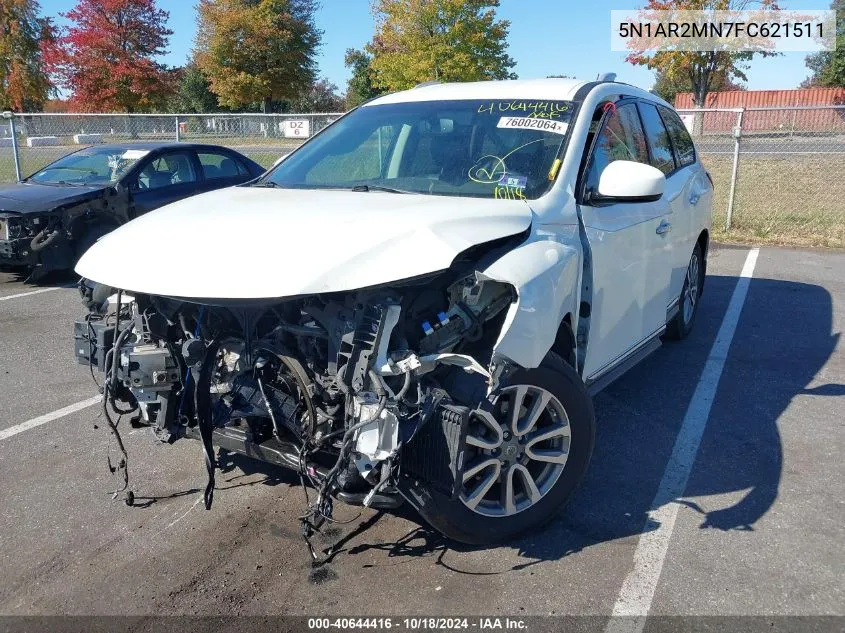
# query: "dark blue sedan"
49,219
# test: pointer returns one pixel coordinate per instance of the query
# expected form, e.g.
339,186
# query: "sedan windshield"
92,166
486,149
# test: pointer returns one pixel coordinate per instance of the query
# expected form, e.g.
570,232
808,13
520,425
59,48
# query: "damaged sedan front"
48,220
379,314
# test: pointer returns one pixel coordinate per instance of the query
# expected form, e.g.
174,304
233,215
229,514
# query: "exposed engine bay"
363,393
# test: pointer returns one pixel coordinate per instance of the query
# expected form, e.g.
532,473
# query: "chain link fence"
40,139
779,173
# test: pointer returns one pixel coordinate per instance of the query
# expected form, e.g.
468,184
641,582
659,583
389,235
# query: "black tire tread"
676,330
445,514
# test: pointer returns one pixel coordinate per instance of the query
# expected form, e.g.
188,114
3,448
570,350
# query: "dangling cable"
109,389
202,371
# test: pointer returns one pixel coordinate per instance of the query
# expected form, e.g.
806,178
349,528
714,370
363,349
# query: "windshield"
93,166
486,149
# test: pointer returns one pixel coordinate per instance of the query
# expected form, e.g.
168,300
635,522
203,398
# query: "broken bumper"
17,252
24,245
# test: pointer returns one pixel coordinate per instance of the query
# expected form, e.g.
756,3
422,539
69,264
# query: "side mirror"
628,181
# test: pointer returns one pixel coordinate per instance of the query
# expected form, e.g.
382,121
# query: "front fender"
545,274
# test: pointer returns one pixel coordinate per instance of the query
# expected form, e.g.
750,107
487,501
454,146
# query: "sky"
547,37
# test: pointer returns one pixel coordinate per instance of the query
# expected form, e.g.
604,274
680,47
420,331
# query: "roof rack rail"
433,82
606,77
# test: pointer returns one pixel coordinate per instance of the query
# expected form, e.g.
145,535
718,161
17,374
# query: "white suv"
418,302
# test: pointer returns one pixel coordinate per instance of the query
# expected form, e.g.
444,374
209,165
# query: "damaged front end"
48,236
27,240
362,392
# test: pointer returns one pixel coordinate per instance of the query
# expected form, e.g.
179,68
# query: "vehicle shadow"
64,278
785,326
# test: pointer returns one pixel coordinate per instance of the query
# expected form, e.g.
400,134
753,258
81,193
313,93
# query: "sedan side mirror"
627,181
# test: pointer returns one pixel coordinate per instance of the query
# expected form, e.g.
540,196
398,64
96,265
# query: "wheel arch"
564,345
545,276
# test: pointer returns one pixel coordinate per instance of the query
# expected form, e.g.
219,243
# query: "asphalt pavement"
757,530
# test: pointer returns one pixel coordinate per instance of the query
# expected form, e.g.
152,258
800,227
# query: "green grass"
795,201
29,164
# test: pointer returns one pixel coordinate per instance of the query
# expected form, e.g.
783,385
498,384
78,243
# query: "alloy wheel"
516,451
690,297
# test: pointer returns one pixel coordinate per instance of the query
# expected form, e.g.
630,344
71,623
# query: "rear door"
630,271
694,199
165,178
677,241
221,169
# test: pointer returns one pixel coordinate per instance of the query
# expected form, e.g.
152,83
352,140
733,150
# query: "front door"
166,178
630,246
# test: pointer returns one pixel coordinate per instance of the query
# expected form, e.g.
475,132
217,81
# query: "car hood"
254,243
27,197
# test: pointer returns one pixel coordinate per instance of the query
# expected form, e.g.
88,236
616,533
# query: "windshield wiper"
54,183
267,184
366,188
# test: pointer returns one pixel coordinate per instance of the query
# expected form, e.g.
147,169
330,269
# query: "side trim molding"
617,368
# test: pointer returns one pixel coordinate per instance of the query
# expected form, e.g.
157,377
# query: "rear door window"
220,165
658,139
681,140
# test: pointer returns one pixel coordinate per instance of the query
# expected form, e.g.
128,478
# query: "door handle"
694,198
663,228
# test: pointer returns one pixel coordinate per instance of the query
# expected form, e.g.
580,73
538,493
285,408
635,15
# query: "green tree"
194,92
700,70
257,50
445,40
828,67
23,83
360,86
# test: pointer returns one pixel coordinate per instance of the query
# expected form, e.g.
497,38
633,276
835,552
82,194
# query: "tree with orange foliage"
700,70
107,57
23,83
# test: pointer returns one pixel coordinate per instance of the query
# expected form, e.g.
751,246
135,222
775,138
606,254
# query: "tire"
681,324
89,237
487,523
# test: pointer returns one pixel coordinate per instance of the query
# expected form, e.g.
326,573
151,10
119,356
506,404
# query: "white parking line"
48,417
26,294
637,592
